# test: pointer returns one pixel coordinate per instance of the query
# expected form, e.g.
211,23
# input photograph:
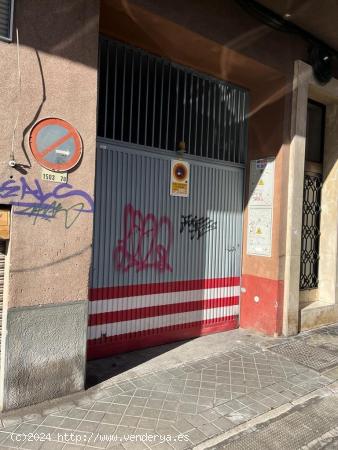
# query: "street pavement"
232,390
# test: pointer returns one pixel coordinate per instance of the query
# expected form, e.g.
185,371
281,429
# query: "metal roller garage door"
164,267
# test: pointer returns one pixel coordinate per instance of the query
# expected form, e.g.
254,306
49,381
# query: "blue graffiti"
32,201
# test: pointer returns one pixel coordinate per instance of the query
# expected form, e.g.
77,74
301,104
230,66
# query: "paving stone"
224,409
142,393
181,445
259,408
223,424
133,411
154,403
134,445
168,415
189,398
209,430
196,420
101,406
238,389
148,424
267,401
196,436
166,427
187,408
235,405
215,393
111,418
170,405
158,395
117,408
129,421
87,425
191,390
206,401
207,392
94,416
138,401
162,446
151,413
123,399
11,421
243,415
115,446
31,445
126,386
173,397
182,425
124,430
211,414
77,413
105,429
176,389
52,445
114,390
34,418
3,436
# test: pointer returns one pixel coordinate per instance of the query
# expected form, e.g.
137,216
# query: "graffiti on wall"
145,243
32,201
197,226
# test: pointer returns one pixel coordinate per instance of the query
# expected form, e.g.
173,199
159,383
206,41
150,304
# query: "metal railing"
149,101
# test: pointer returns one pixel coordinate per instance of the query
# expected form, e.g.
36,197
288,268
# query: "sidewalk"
182,395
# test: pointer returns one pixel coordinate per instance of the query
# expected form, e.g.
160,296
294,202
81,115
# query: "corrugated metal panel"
162,264
2,277
6,11
152,102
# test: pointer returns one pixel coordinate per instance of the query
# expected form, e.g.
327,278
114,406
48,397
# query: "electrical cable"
12,156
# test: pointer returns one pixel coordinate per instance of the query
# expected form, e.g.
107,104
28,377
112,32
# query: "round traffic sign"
55,144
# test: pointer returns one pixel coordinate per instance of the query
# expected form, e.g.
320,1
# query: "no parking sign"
55,144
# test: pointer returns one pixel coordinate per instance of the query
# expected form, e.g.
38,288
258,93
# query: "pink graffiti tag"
140,247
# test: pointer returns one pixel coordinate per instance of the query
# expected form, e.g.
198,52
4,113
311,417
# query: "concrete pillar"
324,308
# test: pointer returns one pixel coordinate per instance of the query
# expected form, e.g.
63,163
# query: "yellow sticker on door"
179,180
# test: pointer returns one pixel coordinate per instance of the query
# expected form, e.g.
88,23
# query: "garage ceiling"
319,18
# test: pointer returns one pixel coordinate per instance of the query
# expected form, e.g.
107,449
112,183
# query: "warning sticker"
262,182
179,180
259,231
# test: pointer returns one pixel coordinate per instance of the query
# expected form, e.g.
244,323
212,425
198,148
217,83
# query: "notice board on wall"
260,207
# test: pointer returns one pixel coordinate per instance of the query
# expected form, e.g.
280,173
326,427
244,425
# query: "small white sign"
259,231
55,177
260,207
262,174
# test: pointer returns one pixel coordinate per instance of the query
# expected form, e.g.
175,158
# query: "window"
6,19
315,127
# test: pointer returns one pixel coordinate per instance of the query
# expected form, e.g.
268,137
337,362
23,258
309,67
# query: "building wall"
49,260
223,40
300,311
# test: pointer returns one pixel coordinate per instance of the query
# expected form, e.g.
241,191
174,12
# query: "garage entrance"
166,263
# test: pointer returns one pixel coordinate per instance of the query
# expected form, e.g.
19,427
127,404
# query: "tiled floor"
310,427
183,405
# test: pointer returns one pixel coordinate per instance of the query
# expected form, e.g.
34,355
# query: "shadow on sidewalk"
100,370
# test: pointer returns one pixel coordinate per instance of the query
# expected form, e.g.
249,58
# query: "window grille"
309,258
